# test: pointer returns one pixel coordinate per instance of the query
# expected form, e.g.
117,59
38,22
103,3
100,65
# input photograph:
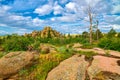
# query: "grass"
87,53
2,54
46,63
107,52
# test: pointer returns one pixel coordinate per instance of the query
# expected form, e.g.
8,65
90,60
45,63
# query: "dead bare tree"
97,22
91,15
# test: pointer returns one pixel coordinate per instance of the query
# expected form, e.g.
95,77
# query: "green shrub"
16,44
87,53
63,49
87,46
110,43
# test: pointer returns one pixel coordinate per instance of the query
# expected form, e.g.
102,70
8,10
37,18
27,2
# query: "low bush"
110,43
16,44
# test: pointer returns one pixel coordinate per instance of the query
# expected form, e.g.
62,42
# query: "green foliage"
44,68
36,45
85,34
23,72
87,53
65,50
111,33
107,52
48,62
113,43
2,54
17,43
97,35
88,46
118,35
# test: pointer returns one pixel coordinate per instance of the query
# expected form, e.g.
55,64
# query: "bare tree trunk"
90,18
97,30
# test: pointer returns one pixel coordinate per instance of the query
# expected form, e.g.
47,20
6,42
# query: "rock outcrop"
100,67
46,48
47,32
104,68
73,68
11,63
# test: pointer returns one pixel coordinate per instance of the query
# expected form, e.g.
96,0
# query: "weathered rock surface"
11,63
77,45
101,67
44,48
73,68
104,68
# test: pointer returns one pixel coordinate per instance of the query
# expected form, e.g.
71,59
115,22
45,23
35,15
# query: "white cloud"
52,19
43,10
63,1
3,24
37,22
92,2
68,18
71,7
112,19
57,9
4,9
116,9
24,5
18,18
115,26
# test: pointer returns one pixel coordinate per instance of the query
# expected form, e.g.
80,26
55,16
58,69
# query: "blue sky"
66,16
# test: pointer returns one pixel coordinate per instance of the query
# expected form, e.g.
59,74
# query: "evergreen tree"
118,35
85,34
111,33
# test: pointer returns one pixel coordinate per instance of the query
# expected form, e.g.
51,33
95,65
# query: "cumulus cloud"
43,10
116,9
47,12
113,19
63,1
57,9
115,26
37,22
67,18
23,5
4,9
53,19
71,7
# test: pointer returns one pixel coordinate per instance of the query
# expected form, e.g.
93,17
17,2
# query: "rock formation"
11,63
73,68
47,32
102,66
99,67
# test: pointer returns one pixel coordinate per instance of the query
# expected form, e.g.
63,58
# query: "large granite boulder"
73,68
13,62
104,68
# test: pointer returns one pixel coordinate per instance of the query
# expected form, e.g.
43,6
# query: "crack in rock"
89,60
